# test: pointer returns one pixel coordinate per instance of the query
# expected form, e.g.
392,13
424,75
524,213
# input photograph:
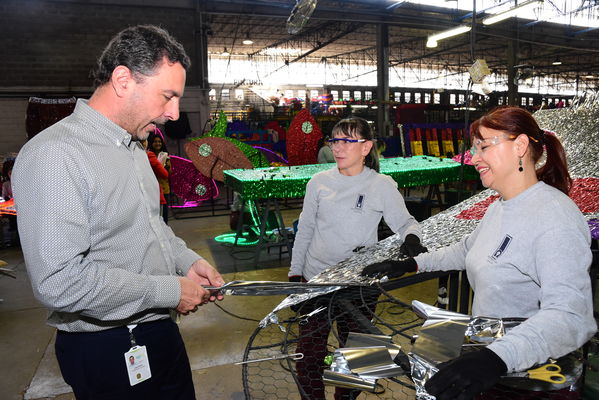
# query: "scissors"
303,319
548,373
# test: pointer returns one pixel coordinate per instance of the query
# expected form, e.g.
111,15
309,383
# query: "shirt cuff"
184,261
168,291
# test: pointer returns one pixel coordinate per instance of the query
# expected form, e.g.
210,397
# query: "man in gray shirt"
99,256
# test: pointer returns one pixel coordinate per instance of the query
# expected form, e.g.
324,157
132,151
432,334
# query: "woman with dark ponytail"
342,210
529,257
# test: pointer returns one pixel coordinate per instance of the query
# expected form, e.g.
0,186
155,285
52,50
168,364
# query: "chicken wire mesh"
316,328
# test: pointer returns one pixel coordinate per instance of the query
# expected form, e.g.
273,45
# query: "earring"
520,166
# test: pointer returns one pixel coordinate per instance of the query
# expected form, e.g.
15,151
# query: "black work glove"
466,376
391,268
295,278
411,247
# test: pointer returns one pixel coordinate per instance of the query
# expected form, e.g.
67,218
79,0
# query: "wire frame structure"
315,329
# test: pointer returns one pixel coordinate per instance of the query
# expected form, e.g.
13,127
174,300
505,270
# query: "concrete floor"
215,339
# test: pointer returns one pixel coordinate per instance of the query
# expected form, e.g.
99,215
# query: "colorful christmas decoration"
188,183
302,139
212,155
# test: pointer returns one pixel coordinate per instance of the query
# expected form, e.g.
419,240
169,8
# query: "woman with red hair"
529,257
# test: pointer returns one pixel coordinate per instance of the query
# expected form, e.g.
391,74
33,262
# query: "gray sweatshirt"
341,213
529,257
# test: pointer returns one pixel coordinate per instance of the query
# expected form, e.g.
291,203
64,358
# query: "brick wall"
48,49
56,43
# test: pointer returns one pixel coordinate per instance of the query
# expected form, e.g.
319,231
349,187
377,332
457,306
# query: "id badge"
138,365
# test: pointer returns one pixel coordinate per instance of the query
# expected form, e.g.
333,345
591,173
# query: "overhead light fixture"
557,62
512,12
225,53
247,39
589,76
433,39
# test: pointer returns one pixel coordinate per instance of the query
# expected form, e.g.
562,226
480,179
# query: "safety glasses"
480,145
343,142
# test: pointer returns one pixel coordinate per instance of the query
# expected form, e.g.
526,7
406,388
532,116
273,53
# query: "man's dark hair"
141,49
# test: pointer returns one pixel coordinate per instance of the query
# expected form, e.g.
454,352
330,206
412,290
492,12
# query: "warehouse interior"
258,66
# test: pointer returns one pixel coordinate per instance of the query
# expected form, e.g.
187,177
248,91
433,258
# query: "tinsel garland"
289,182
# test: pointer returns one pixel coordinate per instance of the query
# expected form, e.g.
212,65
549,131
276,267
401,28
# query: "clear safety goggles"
343,142
480,145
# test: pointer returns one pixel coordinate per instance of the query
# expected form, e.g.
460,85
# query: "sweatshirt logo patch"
502,247
360,201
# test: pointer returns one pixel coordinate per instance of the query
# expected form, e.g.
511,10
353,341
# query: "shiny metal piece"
441,341
293,356
348,381
365,359
303,319
272,288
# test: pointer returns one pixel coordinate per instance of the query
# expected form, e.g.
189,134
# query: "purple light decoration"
271,156
594,226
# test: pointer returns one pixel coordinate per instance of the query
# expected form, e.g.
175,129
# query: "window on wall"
417,98
522,101
452,98
314,94
397,96
335,94
224,93
408,97
461,98
500,101
357,95
301,94
437,98
368,95
531,101
427,98
288,93
345,94
239,94
212,94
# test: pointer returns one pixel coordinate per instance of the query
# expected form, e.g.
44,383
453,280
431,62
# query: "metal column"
382,61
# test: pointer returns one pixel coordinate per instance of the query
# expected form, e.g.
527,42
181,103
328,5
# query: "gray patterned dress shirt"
97,251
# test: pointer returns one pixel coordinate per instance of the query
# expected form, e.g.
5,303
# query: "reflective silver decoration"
421,371
439,337
365,359
576,126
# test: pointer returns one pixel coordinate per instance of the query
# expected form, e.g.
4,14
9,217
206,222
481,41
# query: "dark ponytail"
359,128
555,171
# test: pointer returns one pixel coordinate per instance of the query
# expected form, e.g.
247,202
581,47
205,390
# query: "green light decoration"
201,190
245,240
290,182
220,128
205,150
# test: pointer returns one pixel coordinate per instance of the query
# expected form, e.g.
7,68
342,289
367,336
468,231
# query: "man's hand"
204,274
192,296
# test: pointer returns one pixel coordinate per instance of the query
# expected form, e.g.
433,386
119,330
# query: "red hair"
516,121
